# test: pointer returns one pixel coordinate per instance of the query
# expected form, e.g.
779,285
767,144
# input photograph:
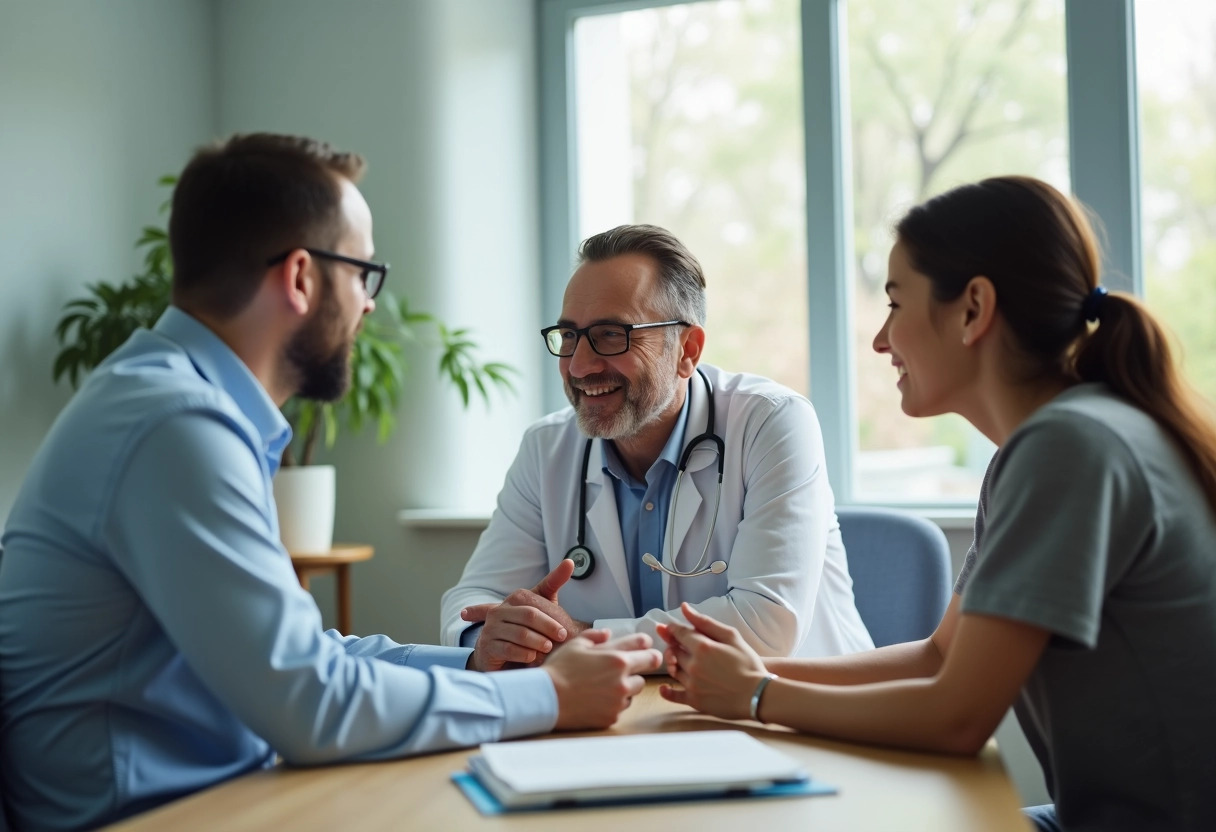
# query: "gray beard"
631,419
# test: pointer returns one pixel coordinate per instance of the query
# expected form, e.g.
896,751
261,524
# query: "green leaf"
82,303
462,386
152,234
331,425
307,415
384,427
68,321
66,360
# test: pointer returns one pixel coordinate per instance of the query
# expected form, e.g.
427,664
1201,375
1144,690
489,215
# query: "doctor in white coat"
630,477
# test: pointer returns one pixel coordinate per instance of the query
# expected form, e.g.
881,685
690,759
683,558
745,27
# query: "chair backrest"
900,565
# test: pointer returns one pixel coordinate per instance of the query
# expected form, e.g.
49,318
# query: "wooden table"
338,559
879,790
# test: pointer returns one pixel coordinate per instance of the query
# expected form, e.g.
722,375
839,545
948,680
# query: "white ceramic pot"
305,496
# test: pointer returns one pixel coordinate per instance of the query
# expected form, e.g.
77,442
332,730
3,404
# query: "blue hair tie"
1091,309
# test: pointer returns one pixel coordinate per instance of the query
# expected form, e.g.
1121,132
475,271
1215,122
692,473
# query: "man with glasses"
154,639
695,485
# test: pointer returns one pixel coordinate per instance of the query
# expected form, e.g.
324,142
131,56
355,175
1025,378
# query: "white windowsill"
442,518
949,519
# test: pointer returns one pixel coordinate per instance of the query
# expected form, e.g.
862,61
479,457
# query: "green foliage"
94,326
1178,170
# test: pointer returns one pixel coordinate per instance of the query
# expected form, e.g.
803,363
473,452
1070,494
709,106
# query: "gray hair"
680,275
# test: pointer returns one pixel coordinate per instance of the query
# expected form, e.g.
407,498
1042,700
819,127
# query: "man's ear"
295,282
692,343
979,309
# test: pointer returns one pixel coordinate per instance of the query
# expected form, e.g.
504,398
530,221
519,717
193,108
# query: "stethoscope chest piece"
584,561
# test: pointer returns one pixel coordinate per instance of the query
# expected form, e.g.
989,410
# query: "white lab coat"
786,586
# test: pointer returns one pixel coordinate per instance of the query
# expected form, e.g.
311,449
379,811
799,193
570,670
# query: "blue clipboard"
488,805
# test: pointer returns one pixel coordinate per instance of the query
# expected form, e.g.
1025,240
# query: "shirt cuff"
529,701
617,627
469,636
430,655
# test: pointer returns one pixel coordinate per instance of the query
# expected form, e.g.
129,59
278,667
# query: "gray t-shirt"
1091,525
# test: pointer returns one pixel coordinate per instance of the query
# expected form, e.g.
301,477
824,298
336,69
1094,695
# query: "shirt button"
650,506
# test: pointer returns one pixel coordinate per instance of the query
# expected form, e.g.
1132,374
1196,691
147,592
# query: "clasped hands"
595,677
717,670
526,626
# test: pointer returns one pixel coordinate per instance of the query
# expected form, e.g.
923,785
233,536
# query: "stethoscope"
584,560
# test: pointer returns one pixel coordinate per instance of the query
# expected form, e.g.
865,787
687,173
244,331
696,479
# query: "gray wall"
97,100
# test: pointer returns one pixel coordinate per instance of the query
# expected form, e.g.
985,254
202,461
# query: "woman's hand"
717,669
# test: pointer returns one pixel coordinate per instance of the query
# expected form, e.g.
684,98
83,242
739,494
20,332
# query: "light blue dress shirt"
642,508
154,639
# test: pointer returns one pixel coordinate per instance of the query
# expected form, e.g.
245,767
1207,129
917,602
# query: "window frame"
1103,130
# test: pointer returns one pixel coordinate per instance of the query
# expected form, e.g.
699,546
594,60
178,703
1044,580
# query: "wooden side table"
338,559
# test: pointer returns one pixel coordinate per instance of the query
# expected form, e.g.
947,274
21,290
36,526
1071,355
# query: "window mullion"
1103,129
829,235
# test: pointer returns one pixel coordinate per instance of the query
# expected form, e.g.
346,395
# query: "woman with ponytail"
1088,597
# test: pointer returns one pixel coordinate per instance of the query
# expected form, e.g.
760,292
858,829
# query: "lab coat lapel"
689,496
605,523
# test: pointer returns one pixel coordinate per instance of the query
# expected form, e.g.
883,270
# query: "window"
782,139
988,98
689,117
1176,70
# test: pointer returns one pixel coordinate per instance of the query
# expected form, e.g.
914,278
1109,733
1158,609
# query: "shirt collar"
218,364
670,453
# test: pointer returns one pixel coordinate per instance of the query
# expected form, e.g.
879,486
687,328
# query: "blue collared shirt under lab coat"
154,639
642,508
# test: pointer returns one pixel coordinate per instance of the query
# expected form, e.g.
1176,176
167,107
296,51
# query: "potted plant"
95,325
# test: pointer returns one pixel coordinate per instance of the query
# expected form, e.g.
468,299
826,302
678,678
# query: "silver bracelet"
755,704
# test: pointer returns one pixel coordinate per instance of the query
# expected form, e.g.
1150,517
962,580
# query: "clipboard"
631,769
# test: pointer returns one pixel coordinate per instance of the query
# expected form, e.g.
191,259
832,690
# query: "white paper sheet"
671,759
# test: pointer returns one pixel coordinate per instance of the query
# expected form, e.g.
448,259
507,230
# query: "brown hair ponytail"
1131,353
1038,248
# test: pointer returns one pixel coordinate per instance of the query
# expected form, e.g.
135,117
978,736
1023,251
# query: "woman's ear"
978,309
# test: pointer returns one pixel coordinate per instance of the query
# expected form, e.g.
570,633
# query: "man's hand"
596,679
526,627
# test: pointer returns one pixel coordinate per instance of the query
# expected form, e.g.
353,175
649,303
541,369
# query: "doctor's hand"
526,627
718,670
595,679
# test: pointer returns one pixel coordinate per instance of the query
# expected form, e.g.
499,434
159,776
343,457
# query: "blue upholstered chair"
900,565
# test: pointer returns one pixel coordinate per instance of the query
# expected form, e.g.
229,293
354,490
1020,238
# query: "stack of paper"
630,768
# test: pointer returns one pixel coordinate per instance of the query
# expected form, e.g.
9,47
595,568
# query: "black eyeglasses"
373,274
605,339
